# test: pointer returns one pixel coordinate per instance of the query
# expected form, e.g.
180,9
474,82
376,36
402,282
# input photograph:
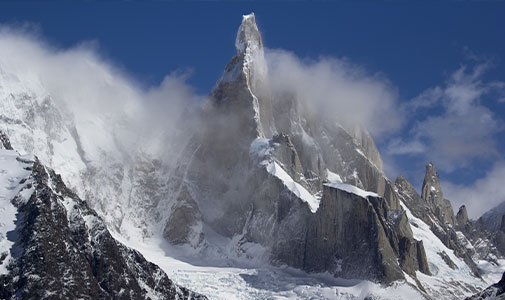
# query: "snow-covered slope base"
265,282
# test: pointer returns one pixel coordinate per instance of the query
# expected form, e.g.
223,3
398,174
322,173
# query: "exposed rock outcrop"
462,217
494,292
434,198
4,141
352,233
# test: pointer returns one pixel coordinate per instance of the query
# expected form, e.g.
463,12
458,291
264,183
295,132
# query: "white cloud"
397,146
480,196
460,128
337,87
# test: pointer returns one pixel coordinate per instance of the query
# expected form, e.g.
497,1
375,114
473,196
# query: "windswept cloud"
338,87
458,128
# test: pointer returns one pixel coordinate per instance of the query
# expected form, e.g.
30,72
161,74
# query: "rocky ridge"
299,194
62,249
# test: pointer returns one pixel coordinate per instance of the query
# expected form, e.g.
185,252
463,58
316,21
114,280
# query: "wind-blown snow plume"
85,84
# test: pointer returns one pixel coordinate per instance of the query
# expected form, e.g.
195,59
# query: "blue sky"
453,54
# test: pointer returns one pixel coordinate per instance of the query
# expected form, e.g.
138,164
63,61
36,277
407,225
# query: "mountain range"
252,180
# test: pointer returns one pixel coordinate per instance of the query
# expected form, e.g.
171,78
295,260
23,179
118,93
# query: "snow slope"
445,282
13,179
261,150
297,189
264,282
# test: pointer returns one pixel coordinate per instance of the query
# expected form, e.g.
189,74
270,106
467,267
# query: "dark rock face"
351,233
462,217
64,251
502,226
434,198
4,141
351,237
184,216
495,292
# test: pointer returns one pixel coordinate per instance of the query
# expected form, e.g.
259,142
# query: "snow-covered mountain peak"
244,84
248,36
431,184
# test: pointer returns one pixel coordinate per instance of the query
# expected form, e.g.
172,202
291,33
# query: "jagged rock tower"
299,195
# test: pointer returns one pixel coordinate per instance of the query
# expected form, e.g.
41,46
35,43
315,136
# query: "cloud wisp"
459,129
337,87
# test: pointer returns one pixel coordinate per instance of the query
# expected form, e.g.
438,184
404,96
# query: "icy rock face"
215,169
4,141
494,292
62,247
462,217
245,80
326,145
433,196
469,241
350,232
366,141
308,197
33,123
490,227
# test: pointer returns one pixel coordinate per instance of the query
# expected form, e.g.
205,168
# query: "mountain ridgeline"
311,192
264,179
61,249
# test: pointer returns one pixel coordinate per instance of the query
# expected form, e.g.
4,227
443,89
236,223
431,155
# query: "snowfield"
264,282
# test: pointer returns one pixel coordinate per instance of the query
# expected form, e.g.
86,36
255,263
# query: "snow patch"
351,189
261,150
297,189
333,177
